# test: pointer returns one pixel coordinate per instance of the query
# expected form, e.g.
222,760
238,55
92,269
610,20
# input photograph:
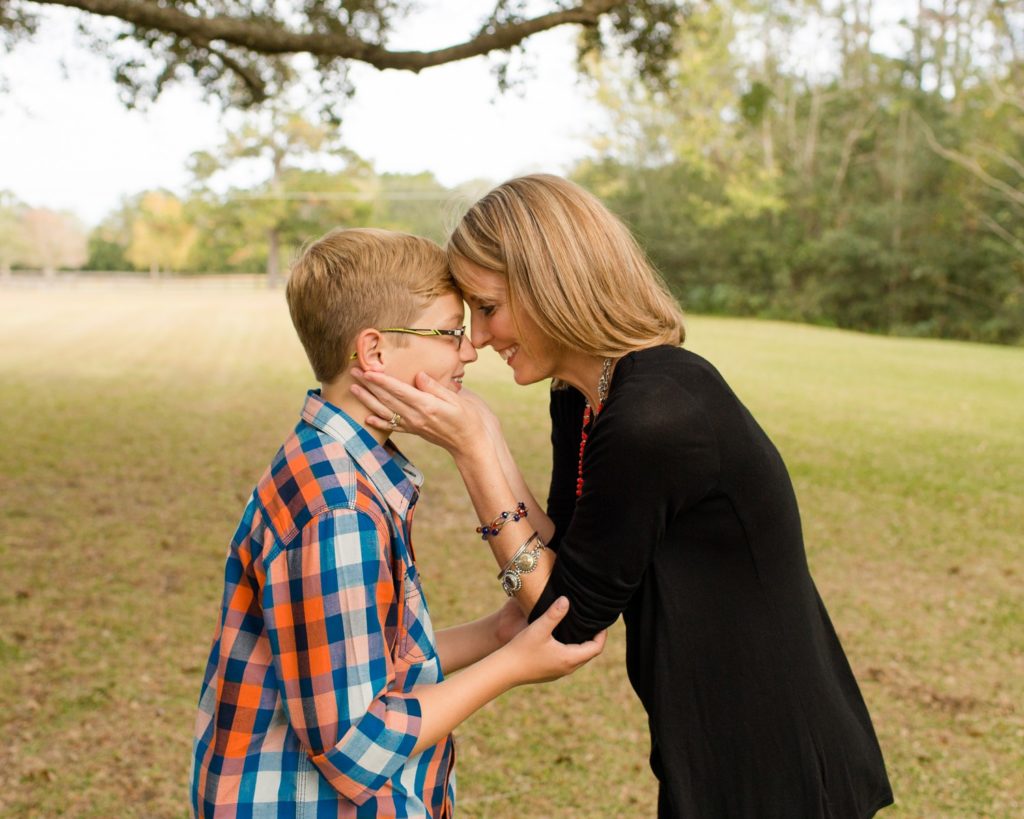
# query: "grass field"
134,422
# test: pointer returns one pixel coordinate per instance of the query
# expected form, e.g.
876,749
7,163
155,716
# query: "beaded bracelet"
490,529
522,562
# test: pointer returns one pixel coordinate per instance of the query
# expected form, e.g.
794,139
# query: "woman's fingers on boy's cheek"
363,395
370,397
380,412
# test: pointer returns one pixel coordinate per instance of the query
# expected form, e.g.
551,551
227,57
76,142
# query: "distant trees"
241,229
110,239
291,201
47,239
414,203
791,161
161,235
248,228
876,191
13,245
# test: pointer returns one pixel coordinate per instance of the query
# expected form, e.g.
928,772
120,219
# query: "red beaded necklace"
602,396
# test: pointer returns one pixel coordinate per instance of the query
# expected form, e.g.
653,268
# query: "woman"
668,504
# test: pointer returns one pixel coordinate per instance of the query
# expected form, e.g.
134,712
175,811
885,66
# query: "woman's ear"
369,350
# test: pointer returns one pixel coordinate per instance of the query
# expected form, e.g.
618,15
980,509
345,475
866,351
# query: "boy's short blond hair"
351,279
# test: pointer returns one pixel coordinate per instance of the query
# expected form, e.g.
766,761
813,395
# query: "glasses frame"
458,332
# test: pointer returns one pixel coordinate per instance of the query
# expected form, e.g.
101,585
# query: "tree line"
792,159
311,184
881,189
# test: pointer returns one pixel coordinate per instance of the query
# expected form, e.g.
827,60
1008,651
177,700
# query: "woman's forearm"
491,493
473,438
517,483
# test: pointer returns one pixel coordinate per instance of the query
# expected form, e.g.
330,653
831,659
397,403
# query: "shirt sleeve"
566,424
329,603
651,455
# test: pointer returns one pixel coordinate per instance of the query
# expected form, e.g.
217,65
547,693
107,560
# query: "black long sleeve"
566,423
688,526
629,498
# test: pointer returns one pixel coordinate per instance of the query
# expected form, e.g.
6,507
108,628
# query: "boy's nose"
467,352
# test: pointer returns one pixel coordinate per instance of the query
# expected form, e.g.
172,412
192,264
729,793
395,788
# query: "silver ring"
396,419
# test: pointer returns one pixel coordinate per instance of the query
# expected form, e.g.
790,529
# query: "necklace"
602,396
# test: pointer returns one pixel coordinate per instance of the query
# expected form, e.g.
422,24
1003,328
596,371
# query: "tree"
162,237
110,239
413,203
54,240
876,191
683,163
990,109
13,244
240,52
293,200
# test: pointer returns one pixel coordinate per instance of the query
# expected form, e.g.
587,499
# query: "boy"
325,691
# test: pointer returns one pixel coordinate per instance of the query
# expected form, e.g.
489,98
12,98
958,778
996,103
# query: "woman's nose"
478,333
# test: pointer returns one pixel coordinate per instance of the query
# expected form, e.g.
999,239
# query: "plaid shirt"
308,705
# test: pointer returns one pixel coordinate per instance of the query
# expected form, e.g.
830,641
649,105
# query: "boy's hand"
536,656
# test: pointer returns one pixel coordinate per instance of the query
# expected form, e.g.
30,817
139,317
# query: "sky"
66,142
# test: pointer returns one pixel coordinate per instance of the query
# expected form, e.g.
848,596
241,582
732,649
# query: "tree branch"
1011,162
1002,95
273,39
970,164
1000,231
250,78
849,142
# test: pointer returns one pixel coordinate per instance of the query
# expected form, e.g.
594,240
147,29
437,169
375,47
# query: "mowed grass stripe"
135,422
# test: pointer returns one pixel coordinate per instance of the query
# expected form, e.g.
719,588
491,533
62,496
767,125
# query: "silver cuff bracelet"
522,562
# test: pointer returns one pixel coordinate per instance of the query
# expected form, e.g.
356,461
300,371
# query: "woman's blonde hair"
570,263
352,279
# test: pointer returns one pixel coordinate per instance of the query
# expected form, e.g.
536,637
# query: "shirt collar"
390,471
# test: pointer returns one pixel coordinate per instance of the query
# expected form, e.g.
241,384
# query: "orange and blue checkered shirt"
308,705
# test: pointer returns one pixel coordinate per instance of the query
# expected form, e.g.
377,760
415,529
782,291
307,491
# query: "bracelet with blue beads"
487,530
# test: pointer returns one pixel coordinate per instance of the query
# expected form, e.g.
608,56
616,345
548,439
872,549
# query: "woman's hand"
428,410
490,421
536,656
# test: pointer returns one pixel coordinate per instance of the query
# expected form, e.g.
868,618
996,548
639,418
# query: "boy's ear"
369,350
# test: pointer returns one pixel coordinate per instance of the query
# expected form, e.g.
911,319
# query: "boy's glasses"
458,334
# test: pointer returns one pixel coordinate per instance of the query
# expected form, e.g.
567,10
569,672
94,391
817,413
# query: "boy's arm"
327,602
532,656
463,645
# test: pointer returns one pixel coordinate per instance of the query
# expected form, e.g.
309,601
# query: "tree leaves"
242,53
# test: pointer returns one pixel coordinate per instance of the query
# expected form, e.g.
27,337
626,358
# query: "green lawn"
134,422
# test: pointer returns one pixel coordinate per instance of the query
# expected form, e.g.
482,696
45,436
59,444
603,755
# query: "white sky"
66,142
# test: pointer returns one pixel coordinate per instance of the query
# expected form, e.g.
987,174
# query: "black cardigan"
688,526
